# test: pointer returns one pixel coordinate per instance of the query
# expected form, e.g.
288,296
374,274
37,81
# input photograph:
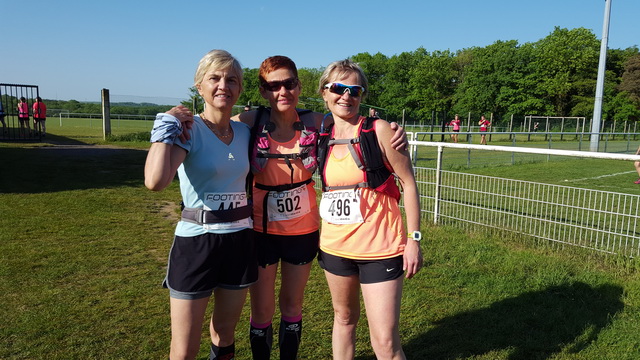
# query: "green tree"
395,92
631,79
376,68
566,63
251,93
433,82
309,97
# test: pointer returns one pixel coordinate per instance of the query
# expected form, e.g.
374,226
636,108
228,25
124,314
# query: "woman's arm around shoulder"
247,117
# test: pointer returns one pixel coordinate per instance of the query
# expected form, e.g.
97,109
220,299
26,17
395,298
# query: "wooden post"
106,114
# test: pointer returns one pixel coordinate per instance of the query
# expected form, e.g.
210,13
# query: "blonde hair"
338,69
217,60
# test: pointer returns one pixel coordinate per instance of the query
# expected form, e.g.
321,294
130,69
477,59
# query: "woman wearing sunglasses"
363,244
285,211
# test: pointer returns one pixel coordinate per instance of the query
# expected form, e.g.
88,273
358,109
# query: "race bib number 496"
341,207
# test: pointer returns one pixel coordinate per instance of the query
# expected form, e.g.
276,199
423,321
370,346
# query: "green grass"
83,251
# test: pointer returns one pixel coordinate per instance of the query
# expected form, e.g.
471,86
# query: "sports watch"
415,235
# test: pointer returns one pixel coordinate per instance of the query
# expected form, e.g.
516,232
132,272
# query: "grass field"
83,249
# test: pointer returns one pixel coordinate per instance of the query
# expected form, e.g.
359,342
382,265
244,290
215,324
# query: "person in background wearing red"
456,128
484,123
40,116
23,116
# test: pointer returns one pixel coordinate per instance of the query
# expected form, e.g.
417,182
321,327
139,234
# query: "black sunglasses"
337,88
288,84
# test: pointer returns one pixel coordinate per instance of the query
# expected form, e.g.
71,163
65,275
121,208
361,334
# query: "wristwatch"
415,235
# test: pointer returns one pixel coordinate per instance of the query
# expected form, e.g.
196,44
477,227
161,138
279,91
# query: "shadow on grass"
69,167
534,325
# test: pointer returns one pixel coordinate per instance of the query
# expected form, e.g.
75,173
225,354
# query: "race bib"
288,204
226,201
341,207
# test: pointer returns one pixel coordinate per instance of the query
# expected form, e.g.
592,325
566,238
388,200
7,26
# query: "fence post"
469,127
436,204
511,127
106,114
490,126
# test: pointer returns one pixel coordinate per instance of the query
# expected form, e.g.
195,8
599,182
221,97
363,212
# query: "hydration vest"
366,152
259,151
259,154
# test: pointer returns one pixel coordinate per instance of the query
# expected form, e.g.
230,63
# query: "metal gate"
14,127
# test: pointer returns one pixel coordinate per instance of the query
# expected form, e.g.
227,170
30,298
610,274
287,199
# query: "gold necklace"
213,128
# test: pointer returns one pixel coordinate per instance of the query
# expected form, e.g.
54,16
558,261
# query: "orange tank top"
296,203
382,233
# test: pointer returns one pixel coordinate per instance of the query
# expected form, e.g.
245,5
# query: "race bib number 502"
289,204
341,207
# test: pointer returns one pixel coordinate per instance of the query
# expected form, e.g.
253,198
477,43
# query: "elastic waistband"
200,216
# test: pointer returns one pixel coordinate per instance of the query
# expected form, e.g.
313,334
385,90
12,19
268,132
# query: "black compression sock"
290,336
222,353
261,342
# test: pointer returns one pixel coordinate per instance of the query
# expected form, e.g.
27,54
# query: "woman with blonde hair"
364,247
213,250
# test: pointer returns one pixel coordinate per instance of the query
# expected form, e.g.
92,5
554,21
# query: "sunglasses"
288,84
340,89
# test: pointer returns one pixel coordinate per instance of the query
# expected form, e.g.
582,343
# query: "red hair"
274,63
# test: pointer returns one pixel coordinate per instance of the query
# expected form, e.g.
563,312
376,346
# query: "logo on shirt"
231,157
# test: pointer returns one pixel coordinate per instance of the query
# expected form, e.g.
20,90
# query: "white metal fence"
594,219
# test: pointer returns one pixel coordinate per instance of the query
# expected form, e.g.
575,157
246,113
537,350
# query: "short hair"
38,99
274,63
340,68
217,60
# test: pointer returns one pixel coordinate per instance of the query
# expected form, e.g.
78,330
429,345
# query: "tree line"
129,108
555,76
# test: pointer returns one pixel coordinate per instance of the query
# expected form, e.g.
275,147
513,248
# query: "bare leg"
345,291
187,317
382,302
226,313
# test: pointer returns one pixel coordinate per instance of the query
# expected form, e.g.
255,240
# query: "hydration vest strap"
200,216
352,150
283,187
347,187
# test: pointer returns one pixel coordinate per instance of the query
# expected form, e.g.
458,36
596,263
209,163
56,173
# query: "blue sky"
73,49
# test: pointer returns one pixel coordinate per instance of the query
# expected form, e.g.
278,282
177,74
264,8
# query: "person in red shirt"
40,116
484,123
23,116
456,128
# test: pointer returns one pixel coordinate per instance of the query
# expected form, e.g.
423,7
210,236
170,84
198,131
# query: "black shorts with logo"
369,271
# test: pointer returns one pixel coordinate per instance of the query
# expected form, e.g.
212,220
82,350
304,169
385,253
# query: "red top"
39,110
23,110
